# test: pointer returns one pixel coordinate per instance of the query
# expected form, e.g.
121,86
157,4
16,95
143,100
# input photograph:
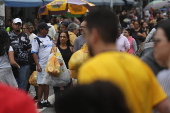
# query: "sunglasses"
24,28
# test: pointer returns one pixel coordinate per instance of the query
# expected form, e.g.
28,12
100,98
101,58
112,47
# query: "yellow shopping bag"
53,65
33,79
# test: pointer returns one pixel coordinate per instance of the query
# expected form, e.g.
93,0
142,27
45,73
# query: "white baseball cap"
17,20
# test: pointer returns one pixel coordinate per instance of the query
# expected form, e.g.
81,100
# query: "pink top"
130,39
122,43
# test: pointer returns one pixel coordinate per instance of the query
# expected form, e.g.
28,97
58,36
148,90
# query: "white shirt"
122,43
31,37
51,31
43,51
4,60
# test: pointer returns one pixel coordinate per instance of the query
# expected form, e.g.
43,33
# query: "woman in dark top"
64,46
138,34
66,50
144,27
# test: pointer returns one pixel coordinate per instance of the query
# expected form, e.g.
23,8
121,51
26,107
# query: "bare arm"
36,62
11,59
163,107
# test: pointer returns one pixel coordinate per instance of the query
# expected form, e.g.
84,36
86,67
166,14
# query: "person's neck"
17,32
41,35
137,28
161,63
63,45
105,47
128,36
168,63
28,33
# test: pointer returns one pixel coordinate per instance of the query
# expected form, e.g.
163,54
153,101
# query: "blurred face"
161,45
25,30
76,31
126,33
131,26
89,36
17,26
136,25
63,38
63,28
82,27
119,32
144,25
44,31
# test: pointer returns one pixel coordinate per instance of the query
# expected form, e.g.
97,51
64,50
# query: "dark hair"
68,36
165,25
47,20
4,42
138,22
129,31
54,21
98,97
105,21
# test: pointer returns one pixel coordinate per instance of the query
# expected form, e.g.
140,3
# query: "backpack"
39,42
30,57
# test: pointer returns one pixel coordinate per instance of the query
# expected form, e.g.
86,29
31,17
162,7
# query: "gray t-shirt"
78,43
150,60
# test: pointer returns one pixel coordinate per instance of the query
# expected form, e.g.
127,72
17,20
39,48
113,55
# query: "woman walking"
133,46
6,60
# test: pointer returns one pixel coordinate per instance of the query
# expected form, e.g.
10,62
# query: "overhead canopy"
107,2
26,3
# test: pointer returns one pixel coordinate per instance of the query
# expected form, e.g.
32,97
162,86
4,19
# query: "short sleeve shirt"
43,50
141,89
20,43
4,60
138,39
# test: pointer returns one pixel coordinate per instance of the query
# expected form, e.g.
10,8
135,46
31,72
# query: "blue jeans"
22,80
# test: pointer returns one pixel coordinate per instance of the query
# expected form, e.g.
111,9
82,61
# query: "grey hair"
72,27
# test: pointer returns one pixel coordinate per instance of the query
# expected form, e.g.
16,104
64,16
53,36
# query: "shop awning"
107,2
26,3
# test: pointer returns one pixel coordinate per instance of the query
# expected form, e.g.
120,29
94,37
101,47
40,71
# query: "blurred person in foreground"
149,54
99,97
120,68
15,101
162,53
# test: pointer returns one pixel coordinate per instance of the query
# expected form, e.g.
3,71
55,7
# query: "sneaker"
36,98
40,105
47,104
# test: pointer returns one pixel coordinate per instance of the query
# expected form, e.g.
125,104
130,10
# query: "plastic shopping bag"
33,79
64,77
77,59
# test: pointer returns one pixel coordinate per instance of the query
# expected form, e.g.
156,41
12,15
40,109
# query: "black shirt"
66,54
138,39
20,43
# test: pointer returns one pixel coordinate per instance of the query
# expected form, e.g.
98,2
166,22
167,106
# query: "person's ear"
95,35
12,24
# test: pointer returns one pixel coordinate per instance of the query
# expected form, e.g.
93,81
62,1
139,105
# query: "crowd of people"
112,80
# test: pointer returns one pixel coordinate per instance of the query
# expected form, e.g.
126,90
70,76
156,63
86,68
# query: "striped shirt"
164,79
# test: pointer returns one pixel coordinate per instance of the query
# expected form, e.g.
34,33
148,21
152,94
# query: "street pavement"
50,98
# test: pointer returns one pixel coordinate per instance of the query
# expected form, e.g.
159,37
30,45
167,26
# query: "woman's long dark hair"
68,41
4,42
